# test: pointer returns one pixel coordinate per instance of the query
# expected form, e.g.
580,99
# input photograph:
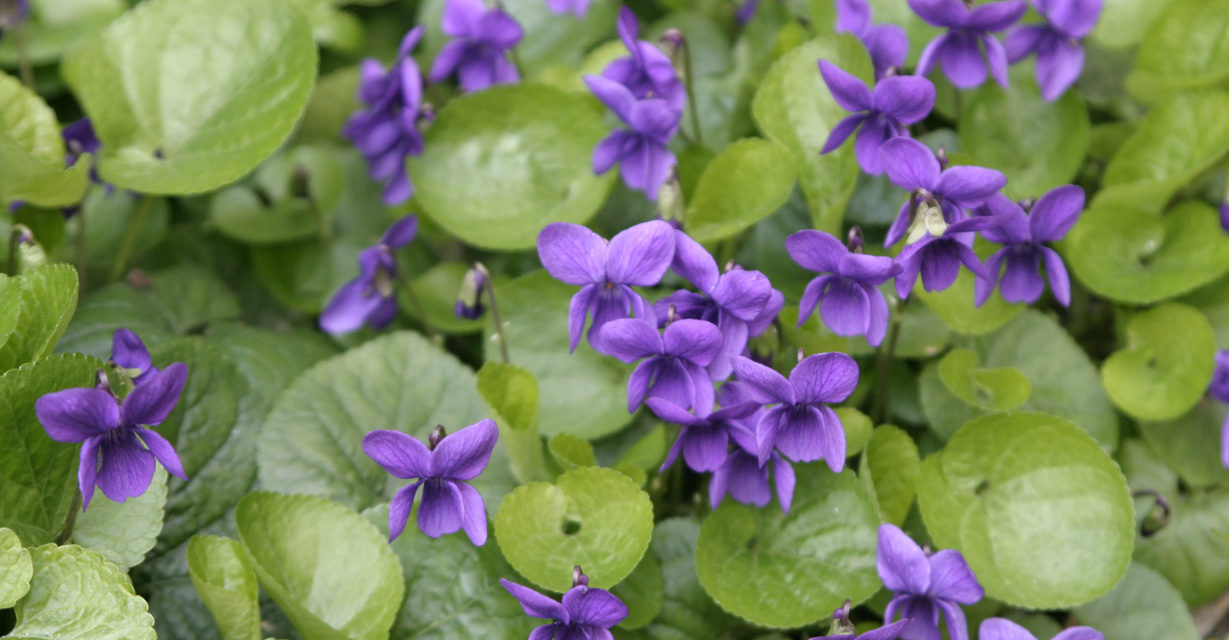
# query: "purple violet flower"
386,131
578,7
1023,252
478,54
887,44
959,50
911,166
1224,215
704,437
1004,629
879,116
674,360
118,452
606,271
371,297
846,630
442,468
80,139
925,584
645,161
1060,58
12,12
647,72
128,352
1219,389
586,613
801,426
937,258
848,299
746,11
741,475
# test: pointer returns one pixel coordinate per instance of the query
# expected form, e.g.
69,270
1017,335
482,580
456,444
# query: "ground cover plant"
657,319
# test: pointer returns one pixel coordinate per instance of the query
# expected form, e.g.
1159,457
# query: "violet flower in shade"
645,161
1219,389
1004,629
578,7
741,475
1060,58
959,50
386,131
80,139
911,166
646,72
746,11
606,271
848,298
129,353
704,436
887,44
801,426
118,451
937,258
586,613
478,54
879,115
845,629
370,298
1224,215
1023,253
442,468
674,360
925,585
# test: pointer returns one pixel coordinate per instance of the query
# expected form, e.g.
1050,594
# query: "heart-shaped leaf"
1166,364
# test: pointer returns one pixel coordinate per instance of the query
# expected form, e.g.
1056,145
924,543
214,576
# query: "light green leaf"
55,25
1124,22
511,396
955,306
32,152
224,578
1144,606
301,189
1186,48
123,532
308,551
593,517
1166,364
858,427
686,610
1192,551
570,452
779,570
48,298
436,290
502,163
749,180
1011,488
1213,301
995,389
889,470
76,595
17,567
235,79
1191,443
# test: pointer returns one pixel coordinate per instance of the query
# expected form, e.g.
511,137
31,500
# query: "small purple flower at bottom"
1060,58
586,613
912,167
959,50
118,452
925,585
577,7
848,298
674,360
846,631
1004,629
371,297
128,352
478,55
1023,252
441,468
645,161
879,115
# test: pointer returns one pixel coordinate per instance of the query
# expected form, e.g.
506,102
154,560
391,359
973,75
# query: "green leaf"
1213,301
1143,606
749,180
1192,551
858,427
779,570
955,306
76,595
1191,443
1131,255
642,592
1186,48
241,78
111,212
593,517
436,290
38,476
511,396
55,25
534,309
1010,489
123,532
224,578
889,470
1165,365
18,569
32,152
1124,23
293,197
570,452
48,298
794,107
686,610
307,551
500,164
995,389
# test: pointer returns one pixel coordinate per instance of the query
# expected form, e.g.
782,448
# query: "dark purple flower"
645,161
606,272
1224,215
911,166
577,7
1060,58
386,131
79,139
924,585
478,54
746,11
1023,253
879,116
129,353
586,613
469,298
704,436
118,451
371,297
1004,629
647,72
674,360
742,475
846,630
441,469
959,50
801,426
887,44
848,299
937,258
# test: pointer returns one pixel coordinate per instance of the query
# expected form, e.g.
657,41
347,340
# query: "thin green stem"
495,317
66,530
130,237
80,250
23,57
14,242
879,410
689,84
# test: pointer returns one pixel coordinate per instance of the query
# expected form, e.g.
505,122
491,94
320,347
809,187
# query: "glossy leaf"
743,185
224,578
889,469
511,396
48,299
32,153
1165,365
1184,49
996,389
123,532
18,569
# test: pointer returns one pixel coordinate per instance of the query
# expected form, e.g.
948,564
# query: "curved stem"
879,410
495,317
130,237
689,85
66,530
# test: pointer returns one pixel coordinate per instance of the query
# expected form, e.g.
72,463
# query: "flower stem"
80,250
66,530
495,317
421,312
14,240
130,238
879,410
689,84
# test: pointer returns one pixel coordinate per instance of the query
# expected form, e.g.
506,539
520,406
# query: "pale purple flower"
478,53
674,360
586,613
959,50
1224,215
925,585
646,72
879,115
887,44
704,436
442,468
1004,629
847,631
645,161
1060,58
848,298
937,258
118,452
800,425
371,297
606,271
911,166
1023,253
128,352
577,7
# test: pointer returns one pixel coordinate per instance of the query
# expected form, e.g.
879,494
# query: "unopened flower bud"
437,434
579,579
469,297
670,205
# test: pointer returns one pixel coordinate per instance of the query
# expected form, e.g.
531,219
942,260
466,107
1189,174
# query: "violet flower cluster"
969,29
1056,42
478,53
925,585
